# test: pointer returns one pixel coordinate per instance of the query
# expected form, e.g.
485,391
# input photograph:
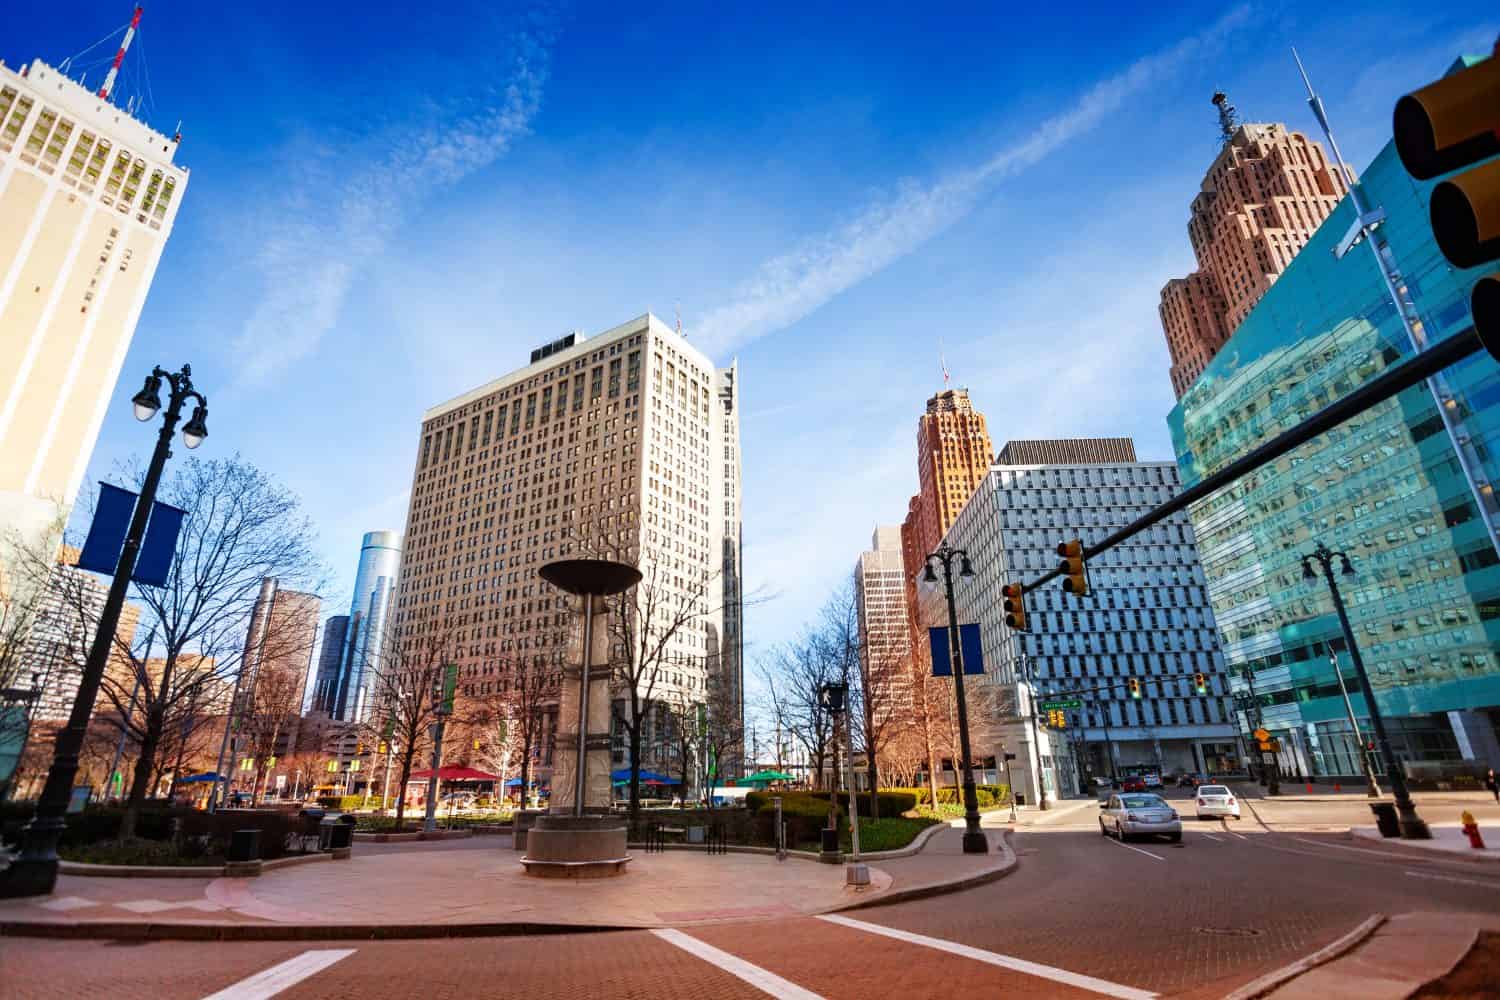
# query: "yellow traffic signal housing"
1449,125
1201,683
1135,687
1075,574
1015,607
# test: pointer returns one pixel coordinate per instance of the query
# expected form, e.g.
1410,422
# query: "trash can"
830,843
335,832
244,845
521,824
1385,818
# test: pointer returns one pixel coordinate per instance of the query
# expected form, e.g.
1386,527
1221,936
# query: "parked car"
1153,779
1126,815
1190,779
1217,800
1133,783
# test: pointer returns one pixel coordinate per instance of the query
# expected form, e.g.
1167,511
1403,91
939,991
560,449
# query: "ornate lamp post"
34,871
974,839
1412,826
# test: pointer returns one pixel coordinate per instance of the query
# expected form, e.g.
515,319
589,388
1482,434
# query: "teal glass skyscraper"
1386,487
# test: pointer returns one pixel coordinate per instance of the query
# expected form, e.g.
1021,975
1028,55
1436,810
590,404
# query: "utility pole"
1372,787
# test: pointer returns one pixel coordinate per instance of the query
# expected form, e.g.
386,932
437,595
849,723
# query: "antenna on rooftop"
943,363
114,69
1229,118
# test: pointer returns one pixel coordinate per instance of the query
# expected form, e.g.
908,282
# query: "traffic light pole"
1443,354
1036,737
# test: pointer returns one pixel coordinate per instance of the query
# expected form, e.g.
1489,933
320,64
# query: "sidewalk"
421,890
1447,838
1399,958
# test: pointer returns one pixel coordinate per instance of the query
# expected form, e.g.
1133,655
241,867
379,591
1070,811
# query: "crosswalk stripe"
766,982
269,982
1075,979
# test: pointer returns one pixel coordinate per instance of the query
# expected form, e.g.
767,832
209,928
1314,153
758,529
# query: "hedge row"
348,803
988,795
210,832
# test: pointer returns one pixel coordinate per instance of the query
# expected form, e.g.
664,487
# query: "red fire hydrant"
1472,829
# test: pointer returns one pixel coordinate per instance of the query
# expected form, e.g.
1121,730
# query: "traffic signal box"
1015,607
1200,683
1134,684
1057,719
1451,125
1075,574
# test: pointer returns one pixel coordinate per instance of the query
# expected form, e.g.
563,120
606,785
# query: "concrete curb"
369,837
1372,834
197,931
177,871
915,847
1272,980
1008,863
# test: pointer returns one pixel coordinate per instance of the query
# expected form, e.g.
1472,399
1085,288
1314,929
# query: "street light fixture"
34,871
975,841
1412,825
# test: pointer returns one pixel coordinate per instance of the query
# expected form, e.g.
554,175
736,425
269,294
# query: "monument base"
576,847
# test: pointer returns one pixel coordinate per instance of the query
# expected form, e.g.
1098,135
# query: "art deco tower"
1265,194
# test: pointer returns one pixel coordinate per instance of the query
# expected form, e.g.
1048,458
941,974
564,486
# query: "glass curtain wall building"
374,587
1385,487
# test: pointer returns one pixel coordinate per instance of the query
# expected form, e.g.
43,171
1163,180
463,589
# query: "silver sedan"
1130,814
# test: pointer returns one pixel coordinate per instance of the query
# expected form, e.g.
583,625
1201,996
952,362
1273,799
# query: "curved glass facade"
1385,487
374,586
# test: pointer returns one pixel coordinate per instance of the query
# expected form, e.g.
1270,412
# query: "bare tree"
273,701
406,677
240,528
645,623
722,733
529,686
792,677
684,716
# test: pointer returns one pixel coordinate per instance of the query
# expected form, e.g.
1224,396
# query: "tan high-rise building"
1264,195
884,633
88,196
953,455
67,616
624,445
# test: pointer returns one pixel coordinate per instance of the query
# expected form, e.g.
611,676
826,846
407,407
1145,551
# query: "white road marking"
1137,850
1454,878
766,982
1213,838
1074,979
272,981
1239,835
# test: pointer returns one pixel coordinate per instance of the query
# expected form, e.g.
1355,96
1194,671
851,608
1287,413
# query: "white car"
1216,800
1130,814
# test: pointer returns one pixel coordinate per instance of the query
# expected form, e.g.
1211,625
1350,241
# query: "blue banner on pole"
101,550
159,546
942,657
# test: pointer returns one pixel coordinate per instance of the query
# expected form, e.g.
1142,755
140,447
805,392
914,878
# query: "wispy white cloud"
790,286
333,224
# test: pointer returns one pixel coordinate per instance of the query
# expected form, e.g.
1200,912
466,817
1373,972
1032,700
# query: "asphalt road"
1082,916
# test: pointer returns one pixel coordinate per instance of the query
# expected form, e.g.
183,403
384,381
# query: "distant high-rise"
884,635
953,455
1265,194
374,590
325,684
278,652
67,616
88,196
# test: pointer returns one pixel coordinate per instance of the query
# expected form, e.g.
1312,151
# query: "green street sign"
1055,706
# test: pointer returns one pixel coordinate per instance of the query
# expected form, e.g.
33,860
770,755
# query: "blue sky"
392,204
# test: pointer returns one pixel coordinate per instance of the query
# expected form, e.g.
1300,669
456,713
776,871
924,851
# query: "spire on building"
1229,118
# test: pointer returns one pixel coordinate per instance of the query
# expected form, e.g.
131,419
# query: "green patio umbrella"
767,776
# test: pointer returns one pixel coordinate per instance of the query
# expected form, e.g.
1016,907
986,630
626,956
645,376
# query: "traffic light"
1135,687
1200,683
1056,719
1015,607
1075,574
1448,125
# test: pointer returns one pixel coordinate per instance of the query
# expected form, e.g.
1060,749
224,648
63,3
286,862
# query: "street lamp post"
1029,670
1412,825
1372,787
974,839
34,871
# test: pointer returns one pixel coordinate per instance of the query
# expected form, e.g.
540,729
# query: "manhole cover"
1230,931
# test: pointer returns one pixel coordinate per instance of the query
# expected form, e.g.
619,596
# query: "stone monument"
579,837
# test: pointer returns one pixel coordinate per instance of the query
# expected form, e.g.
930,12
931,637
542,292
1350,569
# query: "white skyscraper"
88,195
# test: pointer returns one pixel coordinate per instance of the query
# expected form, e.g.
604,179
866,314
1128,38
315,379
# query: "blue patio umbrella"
624,775
206,776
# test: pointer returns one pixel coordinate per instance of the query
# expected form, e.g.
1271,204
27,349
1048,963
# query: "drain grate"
1230,931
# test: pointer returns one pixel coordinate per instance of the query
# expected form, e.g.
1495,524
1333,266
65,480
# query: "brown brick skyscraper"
1263,197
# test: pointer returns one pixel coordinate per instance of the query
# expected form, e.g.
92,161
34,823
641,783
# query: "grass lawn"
135,852
888,833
